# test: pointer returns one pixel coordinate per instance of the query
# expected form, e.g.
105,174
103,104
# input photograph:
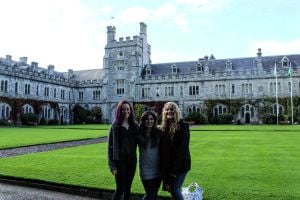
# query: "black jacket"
113,152
180,152
180,158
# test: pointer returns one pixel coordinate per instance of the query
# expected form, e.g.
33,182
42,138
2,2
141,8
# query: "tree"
139,109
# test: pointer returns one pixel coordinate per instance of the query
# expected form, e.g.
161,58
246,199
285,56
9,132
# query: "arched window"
28,109
4,110
199,67
280,109
285,61
228,65
174,69
220,109
252,112
63,113
148,70
47,112
194,108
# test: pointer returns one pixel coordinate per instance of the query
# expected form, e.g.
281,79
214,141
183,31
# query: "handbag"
192,192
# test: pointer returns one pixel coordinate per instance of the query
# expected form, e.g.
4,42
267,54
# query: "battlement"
127,42
20,68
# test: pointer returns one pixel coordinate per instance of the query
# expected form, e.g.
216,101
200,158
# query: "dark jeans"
176,185
124,178
151,188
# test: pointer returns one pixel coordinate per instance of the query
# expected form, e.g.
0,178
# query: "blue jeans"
176,184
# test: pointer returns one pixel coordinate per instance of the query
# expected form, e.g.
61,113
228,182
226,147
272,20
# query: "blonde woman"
175,154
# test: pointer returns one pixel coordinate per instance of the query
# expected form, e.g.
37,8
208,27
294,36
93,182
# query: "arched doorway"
247,118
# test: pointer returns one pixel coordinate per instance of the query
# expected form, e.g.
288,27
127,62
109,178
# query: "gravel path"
48,147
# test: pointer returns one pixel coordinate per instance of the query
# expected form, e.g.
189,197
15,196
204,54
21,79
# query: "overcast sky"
71,34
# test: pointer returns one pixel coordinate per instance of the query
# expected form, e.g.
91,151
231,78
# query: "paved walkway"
14,192
48,147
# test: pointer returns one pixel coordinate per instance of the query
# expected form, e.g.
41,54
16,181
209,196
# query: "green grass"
256,164
14,136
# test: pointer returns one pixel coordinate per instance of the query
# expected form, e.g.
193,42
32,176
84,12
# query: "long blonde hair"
172,124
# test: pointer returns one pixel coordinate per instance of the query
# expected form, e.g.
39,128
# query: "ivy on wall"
263,105
17,104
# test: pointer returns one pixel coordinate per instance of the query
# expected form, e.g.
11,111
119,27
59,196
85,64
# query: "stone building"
128,73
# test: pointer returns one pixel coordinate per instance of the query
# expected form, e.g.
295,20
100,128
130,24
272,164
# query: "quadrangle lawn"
252,162
16,137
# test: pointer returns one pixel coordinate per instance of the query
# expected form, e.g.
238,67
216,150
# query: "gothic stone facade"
128,73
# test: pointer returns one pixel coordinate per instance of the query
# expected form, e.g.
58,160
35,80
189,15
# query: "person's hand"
114,172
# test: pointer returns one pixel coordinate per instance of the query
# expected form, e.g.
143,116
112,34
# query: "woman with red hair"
122,146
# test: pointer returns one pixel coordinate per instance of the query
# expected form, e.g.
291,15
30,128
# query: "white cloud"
164,13
59,32
204,5
276,47
133,15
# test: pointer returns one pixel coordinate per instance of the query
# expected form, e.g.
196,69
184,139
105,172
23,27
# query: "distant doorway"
247,118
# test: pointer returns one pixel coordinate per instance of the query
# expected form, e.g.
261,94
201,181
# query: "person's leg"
120,180
151,187
130,172
176,185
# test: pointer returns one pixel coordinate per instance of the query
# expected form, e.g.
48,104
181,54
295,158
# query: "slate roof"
238,64
86,75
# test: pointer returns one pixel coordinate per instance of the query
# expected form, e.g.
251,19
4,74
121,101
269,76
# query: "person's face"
125,110
149,121
170,112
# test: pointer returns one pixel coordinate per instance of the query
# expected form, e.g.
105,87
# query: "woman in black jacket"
122,149
175,153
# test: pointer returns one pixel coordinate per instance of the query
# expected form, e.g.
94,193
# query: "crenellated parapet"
135,40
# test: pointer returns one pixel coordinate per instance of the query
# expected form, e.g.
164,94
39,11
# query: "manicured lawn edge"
70,189
31,145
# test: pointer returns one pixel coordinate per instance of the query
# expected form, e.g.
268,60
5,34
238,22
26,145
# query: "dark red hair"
118,113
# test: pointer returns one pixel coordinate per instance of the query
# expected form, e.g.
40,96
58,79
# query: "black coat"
180,158
114,137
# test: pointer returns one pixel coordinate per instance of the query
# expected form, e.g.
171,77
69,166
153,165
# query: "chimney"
8,57
259,52
50,69
34,64
70,73
23,60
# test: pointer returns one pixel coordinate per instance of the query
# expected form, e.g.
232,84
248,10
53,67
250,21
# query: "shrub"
43,121
197,117
96,115
29,119
81,114
3,122
272,118
225,118
53,122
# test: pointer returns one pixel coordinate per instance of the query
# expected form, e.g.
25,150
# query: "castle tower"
123,62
